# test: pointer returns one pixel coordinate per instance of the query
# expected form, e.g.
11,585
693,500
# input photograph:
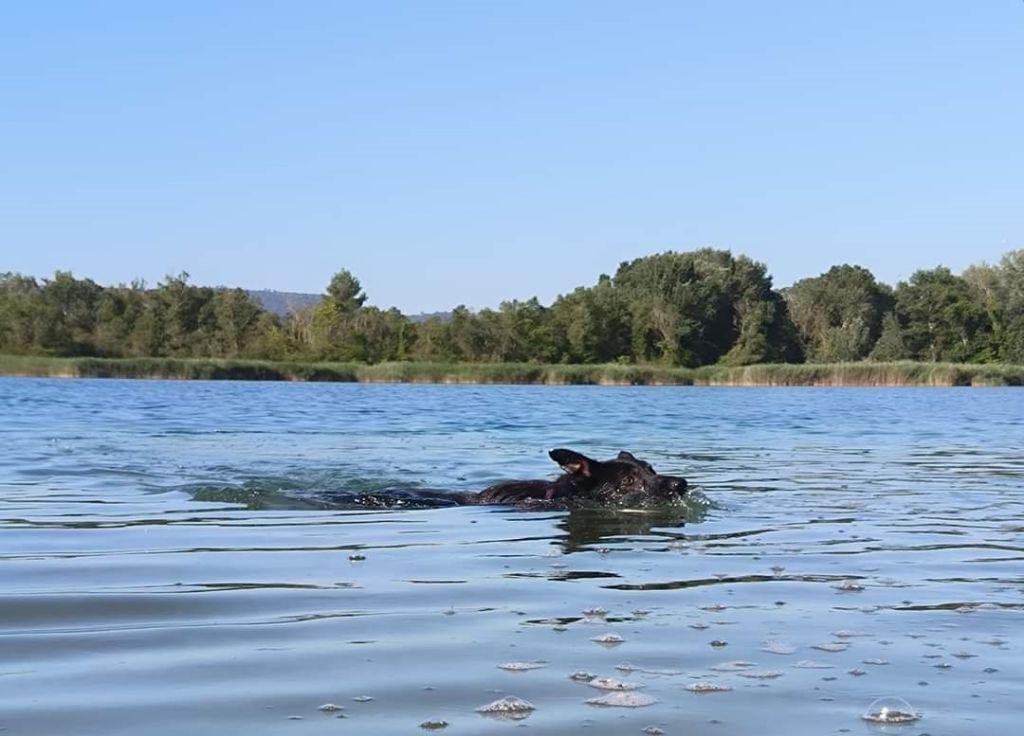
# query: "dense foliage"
691,309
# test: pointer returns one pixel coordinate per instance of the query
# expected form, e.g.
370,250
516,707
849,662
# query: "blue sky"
470,152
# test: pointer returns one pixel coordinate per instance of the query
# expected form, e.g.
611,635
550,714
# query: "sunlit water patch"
174,559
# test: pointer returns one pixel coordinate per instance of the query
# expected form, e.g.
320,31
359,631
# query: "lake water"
165,569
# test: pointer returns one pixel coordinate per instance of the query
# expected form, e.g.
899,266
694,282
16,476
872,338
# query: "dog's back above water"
625,481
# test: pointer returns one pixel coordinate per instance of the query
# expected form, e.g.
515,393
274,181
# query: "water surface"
166,567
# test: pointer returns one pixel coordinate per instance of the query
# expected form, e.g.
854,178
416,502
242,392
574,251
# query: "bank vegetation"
703,316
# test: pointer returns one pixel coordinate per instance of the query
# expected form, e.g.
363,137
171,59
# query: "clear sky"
470,152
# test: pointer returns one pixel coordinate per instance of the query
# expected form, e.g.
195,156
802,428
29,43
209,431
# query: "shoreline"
866,374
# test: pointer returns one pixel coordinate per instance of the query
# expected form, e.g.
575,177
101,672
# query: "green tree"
118,313
839,313
301,332
70,306
236,319
345,293
375,336
432,341
174,316
890,345
941,320
591,324
999,290
22,314
333,325
271,340
523,332
468,338
700,307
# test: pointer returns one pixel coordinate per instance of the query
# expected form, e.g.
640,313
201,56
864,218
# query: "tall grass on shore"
836,374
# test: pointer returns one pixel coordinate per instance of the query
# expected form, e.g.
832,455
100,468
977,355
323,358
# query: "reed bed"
905,373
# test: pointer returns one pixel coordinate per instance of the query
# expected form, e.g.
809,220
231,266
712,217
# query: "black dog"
625,481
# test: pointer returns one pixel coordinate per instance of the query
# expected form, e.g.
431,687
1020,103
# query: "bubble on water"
777,647
700,626
891,710
831,646
623,700
362,698
509,707
357,557
627,667
857,672
705,686
713,607
995,641
963,655
762,674
434,725
847,634
581,676
737,665
849,586
810,664
719,643
330,707
653,731
876,661
610,683
608,640
520,666
595,612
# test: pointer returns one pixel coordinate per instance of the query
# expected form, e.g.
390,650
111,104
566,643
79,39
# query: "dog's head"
624,481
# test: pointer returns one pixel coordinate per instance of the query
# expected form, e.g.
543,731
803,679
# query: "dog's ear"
573,462
628,457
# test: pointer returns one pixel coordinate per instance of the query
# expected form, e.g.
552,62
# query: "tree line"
688,309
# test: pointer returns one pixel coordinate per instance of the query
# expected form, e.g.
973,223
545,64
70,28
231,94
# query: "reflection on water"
584,528
173,558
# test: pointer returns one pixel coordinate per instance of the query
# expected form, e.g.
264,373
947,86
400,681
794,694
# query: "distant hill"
283,302
443,316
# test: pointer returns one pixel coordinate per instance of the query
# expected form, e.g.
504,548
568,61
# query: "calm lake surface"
165,567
